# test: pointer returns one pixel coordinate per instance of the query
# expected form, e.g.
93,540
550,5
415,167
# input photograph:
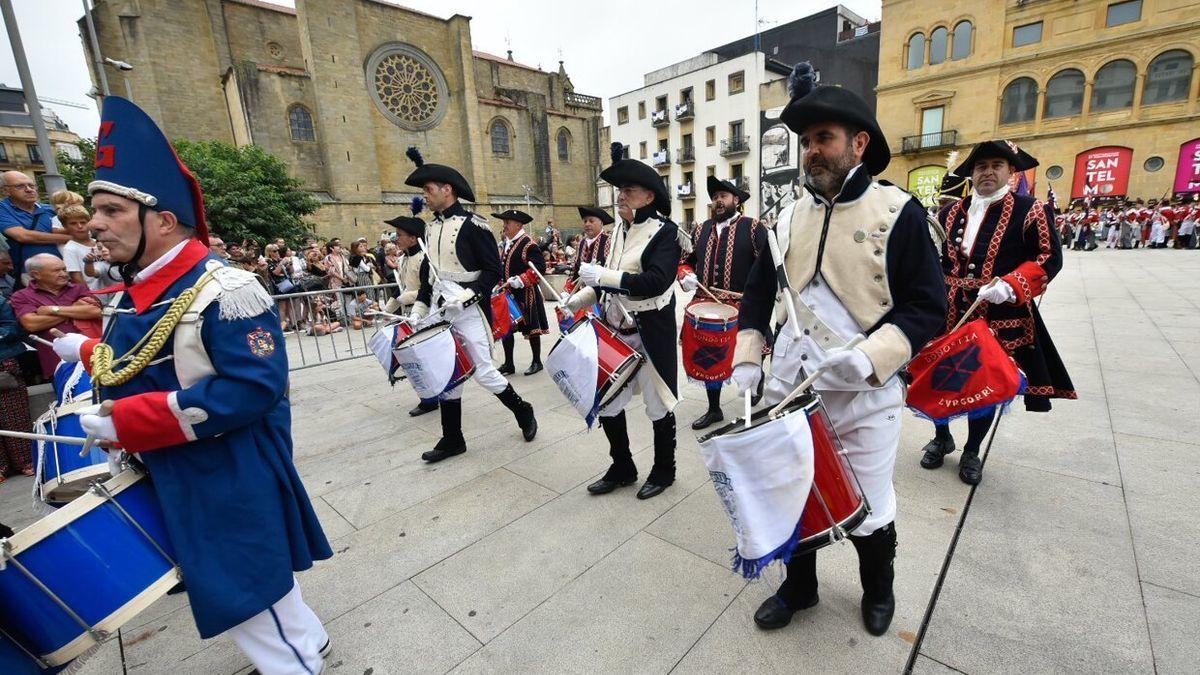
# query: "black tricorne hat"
1001,149
716,185
812,104
954,186
437,173
410,224
632,172
513,214
593,212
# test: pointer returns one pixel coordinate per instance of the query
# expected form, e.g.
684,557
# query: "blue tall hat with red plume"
136,161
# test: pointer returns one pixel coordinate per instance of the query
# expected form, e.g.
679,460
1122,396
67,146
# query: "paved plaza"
1077,552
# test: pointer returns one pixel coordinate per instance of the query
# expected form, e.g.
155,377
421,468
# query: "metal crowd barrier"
316,337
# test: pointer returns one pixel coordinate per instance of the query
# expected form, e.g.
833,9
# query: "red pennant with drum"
965,372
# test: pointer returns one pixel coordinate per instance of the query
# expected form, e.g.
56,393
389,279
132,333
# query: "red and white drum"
591,364
708,338
836,504
434,360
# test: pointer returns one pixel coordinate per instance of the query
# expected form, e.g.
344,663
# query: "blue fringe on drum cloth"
752,568
978,413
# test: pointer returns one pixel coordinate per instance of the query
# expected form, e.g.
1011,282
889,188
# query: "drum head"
761,417
712,311
427,333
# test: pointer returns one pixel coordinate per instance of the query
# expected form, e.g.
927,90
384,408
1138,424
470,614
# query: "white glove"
689,283
100,427
589,273
418,312
67,346
746,376
578,300
852,365
997,292
515,282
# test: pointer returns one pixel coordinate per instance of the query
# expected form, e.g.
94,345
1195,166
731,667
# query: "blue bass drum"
70,580
62,475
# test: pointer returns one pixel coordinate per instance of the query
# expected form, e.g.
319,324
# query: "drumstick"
811,379
57,333
51,438
710,293
542,280
106,409
971,310
39,340
748,407
781,278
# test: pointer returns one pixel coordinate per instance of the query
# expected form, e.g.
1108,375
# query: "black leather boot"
522,410
535,346
970,466
799,591
507,368
422,408
662,475
452,442
713,414
937,449
622,472
876,553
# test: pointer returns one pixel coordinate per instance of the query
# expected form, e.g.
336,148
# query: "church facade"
339,89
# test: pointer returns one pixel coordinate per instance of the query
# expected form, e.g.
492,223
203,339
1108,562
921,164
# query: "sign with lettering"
925,181
1187,174
1102,172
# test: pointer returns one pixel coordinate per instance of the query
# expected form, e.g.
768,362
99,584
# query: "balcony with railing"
660,118
685,111
685,191
931,141
582,101
738,145
661,158
687,155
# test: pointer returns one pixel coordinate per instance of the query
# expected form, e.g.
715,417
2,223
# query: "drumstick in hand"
106,409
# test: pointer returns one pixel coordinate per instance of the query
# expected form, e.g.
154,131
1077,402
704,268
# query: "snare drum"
591,365
434,359
708,337
62,475
73,578
505,315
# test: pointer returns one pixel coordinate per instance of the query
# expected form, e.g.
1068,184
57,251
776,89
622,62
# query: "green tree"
248,192
79,172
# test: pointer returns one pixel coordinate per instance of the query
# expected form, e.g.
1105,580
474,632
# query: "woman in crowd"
16,455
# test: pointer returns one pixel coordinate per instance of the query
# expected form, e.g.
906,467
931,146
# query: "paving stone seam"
1137,567
1172,589
944,664
1180,441
478,643
339,514
1059,473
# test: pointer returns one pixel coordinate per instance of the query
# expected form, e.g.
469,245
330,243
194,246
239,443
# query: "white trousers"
643,382
285,639
472,328
868,424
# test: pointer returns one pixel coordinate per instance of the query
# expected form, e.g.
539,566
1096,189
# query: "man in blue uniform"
203,402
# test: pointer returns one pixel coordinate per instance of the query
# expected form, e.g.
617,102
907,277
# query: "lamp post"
53,181
124,67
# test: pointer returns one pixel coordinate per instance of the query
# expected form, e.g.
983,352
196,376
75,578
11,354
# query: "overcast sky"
606,47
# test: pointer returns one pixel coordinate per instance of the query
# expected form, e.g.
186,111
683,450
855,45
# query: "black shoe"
445,449
936,451
709,418
423,408
507,369
529,425
534,368
614,478
775,613
970,468
877,614
522,410
649,490
876,553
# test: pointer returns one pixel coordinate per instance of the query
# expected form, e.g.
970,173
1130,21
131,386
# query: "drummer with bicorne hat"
1003,248
410,232
520,255
723,249
861,259
593,245
635,286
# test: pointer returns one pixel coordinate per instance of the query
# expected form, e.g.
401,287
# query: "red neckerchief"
146,291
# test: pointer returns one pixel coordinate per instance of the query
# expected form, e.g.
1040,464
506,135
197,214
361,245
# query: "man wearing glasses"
28,225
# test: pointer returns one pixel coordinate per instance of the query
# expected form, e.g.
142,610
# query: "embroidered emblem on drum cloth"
261,343
725,491
952,373
709,356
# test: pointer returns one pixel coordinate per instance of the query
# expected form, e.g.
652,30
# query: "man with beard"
861,255
1002,248
519,257
723,250
636,288
593,247
458,276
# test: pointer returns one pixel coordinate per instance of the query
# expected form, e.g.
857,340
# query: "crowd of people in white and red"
1128,224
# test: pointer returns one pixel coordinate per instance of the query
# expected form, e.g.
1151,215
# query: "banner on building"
1187,173
1102,172
924,183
